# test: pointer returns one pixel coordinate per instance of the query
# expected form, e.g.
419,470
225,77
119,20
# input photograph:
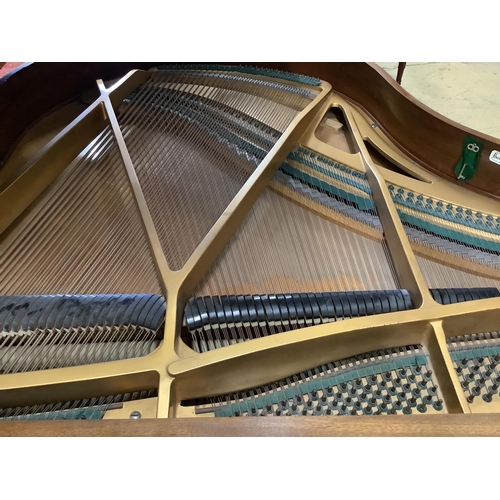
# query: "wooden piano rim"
452,425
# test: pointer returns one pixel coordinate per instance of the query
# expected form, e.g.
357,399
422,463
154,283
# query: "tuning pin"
438,405
421,408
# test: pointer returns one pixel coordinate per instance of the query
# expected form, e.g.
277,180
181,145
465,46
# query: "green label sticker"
467,166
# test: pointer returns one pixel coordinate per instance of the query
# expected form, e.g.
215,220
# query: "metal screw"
135,415
374,125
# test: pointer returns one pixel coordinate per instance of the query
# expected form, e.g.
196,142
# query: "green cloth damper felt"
467,166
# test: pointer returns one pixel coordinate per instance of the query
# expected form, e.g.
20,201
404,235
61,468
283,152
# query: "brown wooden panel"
382,425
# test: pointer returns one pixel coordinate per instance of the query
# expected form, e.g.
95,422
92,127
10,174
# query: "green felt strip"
361,203
448,233
319,383
476,352
458,214
76,414
306,161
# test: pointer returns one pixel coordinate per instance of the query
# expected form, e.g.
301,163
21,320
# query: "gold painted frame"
178,372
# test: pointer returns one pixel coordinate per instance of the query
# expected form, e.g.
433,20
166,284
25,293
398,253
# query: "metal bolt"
135,415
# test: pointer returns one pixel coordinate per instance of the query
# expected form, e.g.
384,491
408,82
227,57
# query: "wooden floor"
383,425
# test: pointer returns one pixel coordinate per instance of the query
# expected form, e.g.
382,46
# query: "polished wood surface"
383,425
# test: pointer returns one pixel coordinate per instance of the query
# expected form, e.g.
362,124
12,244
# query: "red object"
8,67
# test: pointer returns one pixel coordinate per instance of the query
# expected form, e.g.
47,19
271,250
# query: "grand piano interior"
222,241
